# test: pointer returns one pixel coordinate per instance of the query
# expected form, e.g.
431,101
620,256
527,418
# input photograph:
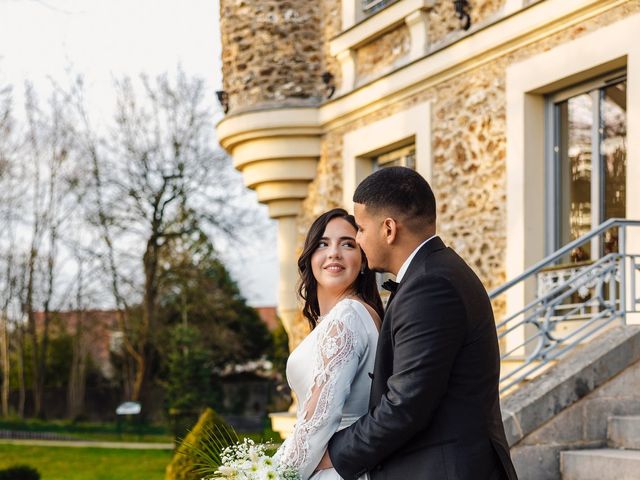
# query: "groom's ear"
390,228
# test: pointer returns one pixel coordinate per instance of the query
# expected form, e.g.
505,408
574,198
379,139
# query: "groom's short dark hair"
398,190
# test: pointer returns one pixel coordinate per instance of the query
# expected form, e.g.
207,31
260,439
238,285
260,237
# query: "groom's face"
370,237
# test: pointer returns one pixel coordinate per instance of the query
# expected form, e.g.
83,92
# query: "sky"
107,39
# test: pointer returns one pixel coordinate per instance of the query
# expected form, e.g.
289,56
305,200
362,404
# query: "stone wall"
382,54
325,192
331,26
444,25
468,151
272,52
390,50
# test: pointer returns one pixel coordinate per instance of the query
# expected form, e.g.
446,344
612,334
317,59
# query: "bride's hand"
325,462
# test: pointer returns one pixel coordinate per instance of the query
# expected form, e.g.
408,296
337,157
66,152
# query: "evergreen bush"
19,472
182,465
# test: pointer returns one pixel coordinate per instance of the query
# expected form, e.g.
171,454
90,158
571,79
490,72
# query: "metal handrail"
603,227
593,294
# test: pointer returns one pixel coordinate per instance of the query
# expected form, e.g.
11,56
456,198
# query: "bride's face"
337,259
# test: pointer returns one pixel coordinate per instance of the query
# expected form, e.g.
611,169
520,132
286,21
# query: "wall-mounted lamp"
329,80
223,100
461,7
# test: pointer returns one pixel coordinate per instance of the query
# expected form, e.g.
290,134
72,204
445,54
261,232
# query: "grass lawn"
67,463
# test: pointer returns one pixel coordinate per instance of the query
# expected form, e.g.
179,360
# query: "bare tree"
78,368
9,291
49,142
7,150
157,177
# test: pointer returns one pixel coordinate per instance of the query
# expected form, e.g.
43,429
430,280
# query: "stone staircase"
560,423
621,461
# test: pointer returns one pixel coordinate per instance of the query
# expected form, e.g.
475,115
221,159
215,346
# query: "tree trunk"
138,381
4,335
22,387
78,373
147,330
4,357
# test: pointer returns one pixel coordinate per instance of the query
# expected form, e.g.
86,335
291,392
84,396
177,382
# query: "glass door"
588,164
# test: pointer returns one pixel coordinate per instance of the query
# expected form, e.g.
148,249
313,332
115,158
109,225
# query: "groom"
434,405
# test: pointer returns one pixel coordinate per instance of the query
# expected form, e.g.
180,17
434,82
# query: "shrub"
19,472
182,465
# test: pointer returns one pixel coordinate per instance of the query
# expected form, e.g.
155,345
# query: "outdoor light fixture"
328,80
223,100
461,7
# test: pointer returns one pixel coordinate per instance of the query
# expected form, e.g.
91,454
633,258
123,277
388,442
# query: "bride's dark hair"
364,286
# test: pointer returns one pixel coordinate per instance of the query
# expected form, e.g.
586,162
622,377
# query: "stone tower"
273,64
271,53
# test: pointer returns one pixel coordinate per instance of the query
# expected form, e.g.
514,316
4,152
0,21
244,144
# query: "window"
588,163
372,6
405,135
401,157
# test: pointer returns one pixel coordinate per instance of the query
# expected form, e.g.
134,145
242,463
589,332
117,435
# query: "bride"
330,370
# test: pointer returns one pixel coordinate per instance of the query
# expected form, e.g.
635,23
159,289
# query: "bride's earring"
362,270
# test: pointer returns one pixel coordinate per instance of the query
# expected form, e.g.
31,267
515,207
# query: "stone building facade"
318,90
506,107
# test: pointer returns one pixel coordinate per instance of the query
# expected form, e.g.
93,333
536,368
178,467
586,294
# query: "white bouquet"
221,455
249,461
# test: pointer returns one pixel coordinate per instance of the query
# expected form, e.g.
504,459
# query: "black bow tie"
390,285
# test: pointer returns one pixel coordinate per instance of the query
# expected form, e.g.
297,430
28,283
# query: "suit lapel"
384,353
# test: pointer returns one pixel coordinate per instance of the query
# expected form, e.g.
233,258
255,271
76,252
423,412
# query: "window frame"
397,130
364,13
553,193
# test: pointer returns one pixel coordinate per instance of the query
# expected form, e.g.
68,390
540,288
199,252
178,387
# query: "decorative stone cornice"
411,12
514,27
277,152
376,25
236,128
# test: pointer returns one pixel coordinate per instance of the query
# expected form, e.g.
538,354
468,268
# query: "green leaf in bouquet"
199,453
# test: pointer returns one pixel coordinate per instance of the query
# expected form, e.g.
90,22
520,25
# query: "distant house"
269,316
102,334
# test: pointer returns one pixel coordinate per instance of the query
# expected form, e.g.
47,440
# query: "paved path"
88,444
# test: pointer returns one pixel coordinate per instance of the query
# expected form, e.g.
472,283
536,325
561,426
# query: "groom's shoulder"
441,260
445,264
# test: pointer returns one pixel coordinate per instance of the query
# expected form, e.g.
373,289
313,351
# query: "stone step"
603,464
624,432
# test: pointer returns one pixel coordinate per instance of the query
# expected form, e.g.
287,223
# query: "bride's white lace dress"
329,372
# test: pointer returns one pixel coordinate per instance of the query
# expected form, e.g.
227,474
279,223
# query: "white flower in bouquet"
249,461
221,455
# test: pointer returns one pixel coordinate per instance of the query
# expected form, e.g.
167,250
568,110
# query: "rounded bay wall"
272,53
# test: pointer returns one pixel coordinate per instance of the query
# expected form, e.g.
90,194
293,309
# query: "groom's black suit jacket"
434,404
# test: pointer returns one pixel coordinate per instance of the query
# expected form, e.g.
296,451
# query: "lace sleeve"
334,367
